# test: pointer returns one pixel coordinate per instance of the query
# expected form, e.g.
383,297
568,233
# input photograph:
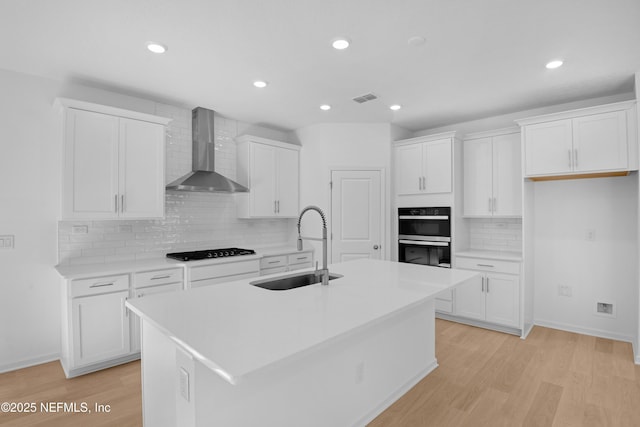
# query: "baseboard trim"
584,331
70,373
29,363
366,419
479,324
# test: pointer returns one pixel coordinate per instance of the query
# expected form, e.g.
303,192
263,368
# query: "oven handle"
423,243
434,217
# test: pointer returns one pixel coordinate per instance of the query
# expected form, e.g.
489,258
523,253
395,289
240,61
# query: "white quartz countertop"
236,328
125,267
498,255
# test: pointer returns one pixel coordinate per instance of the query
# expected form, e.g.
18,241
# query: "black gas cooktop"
210,253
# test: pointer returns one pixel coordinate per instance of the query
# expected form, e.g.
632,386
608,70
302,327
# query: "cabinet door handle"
483,284
575,158
274,207
487,285
493,206
160,277
485,265
116,204
424,182
122,202
419,183
100,285
490,207
301,257
126,310
569,152
274,262
278,204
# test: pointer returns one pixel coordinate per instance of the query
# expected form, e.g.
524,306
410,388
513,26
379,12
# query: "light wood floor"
485,378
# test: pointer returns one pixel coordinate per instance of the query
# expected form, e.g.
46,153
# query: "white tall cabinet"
270,169
113,162
492,174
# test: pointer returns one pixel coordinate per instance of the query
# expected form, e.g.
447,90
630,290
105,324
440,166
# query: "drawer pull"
161,277
274,262
485,265
302,257
100,285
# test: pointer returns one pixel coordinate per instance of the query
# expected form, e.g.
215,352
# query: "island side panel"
159,385
347,382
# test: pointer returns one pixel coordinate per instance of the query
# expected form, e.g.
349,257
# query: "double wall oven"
424,236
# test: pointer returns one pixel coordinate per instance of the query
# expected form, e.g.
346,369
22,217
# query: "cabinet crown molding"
616,106
427,138
112,111
490,133
252,138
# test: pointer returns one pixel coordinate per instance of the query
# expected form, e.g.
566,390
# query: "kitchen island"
235,354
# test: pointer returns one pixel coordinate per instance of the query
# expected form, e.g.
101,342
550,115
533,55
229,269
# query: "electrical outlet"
79,229
7,241
590,235
564,291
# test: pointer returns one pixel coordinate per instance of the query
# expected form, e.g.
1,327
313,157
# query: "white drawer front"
222,270
265,271
99,285
294,267
273,261
301,258
157,277
481,264
446,296
225,279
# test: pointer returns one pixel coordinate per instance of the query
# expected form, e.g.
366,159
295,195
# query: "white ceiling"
481,58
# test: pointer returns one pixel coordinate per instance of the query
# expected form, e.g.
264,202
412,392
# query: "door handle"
376,247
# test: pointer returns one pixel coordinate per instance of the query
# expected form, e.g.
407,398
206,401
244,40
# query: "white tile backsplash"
495,234
192,220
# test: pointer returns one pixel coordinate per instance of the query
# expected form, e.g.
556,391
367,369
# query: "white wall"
340,145
600,270
31,144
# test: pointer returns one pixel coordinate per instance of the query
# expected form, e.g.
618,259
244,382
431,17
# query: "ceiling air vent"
365,98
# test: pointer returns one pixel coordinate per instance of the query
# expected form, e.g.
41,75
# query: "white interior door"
356,211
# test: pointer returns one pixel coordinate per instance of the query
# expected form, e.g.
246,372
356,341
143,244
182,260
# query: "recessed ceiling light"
156,47
325,107
395,107
554,64
340,43
260,83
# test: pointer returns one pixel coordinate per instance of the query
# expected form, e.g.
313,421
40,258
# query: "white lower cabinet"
213,274
96,325
492,297
100,327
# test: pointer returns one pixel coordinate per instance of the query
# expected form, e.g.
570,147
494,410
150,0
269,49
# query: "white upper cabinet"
270,169
113,163
596,140
423,164
492,174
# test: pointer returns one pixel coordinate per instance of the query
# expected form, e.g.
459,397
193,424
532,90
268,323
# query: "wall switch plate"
590,235
79,229
7,241
564,291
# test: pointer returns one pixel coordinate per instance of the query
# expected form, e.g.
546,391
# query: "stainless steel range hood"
204,178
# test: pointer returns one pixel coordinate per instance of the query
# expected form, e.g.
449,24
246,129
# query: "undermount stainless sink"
284,283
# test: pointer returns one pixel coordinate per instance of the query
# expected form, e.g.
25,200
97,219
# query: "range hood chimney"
204,178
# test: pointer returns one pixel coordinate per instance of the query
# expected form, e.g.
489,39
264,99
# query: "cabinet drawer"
273,261
157,277
223,270
300,258
494,265
99,285
294,267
